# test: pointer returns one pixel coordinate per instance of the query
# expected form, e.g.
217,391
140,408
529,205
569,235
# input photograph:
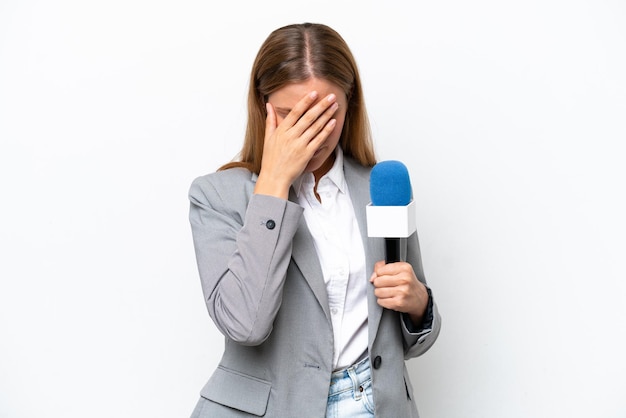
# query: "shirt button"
334,311
270,224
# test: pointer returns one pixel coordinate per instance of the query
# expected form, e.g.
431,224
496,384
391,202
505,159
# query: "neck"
324,168
320,172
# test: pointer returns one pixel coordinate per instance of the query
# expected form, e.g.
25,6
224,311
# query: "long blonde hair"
293,54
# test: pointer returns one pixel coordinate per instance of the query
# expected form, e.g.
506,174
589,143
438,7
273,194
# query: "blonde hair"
294,54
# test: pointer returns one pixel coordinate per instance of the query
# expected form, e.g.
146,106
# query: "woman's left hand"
396,286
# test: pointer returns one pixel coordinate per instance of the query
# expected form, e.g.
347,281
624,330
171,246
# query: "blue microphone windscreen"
390,184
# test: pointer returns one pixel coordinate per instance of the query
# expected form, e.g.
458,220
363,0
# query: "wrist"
425,314
272,187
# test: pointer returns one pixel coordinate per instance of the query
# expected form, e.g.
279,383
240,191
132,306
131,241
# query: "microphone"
391,212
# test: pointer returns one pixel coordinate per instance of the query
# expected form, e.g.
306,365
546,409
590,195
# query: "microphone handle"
395,250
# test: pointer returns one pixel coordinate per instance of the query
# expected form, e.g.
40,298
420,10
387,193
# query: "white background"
509,115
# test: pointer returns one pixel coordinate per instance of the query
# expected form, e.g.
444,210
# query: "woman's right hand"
291,144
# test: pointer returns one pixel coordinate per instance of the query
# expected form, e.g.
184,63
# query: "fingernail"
331,97
313,94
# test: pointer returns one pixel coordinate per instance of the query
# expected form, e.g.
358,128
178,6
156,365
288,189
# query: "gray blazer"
264,290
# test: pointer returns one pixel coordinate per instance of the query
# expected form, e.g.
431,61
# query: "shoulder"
226,186
353,166
357,175
224,177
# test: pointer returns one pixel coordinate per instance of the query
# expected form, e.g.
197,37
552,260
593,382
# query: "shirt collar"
335,175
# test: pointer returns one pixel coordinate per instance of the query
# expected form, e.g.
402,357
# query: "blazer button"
377,361
270,224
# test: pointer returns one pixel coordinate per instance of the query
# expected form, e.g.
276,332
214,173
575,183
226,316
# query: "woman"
315,324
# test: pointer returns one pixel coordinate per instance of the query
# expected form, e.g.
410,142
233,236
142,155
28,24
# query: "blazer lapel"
357,178
304,255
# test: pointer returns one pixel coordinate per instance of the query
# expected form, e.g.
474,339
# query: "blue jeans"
350,394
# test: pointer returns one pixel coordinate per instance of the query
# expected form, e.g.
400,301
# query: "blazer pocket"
239,391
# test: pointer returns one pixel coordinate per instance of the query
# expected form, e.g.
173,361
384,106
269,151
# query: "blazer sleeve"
418,341
243,246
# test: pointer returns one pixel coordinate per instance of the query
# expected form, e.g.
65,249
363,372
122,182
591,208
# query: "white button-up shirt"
340,250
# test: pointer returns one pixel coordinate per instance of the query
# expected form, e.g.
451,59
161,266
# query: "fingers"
270,120
396,287
322,127
314,120
301,108
391,274
307,119
391,281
